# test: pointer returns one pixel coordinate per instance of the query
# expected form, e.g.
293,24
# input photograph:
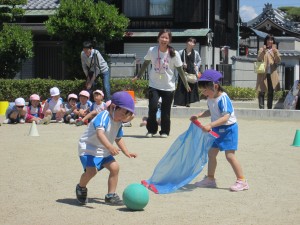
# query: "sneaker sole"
208,186
244,189
81,203
114,204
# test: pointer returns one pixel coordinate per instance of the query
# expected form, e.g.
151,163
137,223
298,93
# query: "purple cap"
211,75
124,100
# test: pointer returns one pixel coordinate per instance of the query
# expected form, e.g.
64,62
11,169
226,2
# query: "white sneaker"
149,135
61,120
6,121
72,121
127,124
46,120
163,135
22,121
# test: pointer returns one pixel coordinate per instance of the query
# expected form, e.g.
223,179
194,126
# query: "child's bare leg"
48,113
212,162
113,168
89,173
236,166
60,114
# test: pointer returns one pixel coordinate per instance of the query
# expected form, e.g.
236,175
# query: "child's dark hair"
210,85
170,48
118,107
269,37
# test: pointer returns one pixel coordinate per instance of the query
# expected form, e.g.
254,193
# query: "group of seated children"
55,110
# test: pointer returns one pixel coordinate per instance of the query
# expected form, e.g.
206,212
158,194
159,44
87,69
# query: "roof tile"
41,4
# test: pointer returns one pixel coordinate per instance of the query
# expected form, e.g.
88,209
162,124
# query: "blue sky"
249,9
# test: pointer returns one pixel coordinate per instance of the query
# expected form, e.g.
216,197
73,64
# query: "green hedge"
12,89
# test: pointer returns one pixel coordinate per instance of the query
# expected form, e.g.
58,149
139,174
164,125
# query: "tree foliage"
15,45
76,21
293,13
9,10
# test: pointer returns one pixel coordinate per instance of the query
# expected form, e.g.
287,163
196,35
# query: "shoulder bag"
190,77
259,67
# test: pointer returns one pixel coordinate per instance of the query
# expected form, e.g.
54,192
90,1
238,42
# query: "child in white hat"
16,113
54,106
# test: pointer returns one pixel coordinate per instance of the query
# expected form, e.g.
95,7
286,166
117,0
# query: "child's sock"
241,178
211,177
109,195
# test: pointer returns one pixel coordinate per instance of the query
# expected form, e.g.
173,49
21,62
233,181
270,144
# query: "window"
145,8
161,7
221,10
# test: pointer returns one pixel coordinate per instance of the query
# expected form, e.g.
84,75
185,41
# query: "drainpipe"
238,28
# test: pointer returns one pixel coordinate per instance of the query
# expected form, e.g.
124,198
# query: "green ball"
135,196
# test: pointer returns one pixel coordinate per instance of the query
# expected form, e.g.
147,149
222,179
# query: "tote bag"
191,78
259,67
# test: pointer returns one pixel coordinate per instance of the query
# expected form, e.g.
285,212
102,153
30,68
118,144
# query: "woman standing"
191,64
164,60
268,81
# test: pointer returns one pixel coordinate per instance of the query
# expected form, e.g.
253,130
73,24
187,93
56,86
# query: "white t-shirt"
98,108
162,75
55,106
221,106
89,144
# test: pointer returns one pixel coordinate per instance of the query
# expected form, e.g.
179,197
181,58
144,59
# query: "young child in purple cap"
96,149
223,122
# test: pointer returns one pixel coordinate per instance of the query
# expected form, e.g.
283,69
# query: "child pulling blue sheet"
183,161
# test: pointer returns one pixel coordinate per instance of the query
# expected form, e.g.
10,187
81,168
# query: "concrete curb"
259,114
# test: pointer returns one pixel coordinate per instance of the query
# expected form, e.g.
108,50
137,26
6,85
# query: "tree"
9,10
15,43
293,13
77,21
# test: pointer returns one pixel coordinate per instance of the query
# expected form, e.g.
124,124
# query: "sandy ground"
39,175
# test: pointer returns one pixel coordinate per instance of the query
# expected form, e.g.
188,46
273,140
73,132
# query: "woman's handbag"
191,78
290,101
259,67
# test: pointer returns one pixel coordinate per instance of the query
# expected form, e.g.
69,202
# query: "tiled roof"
277,17
41,5
291,53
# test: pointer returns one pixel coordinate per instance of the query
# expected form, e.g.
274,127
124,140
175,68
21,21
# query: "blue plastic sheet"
183,161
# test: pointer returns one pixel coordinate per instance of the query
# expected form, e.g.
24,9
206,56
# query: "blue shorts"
228,139
93,161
